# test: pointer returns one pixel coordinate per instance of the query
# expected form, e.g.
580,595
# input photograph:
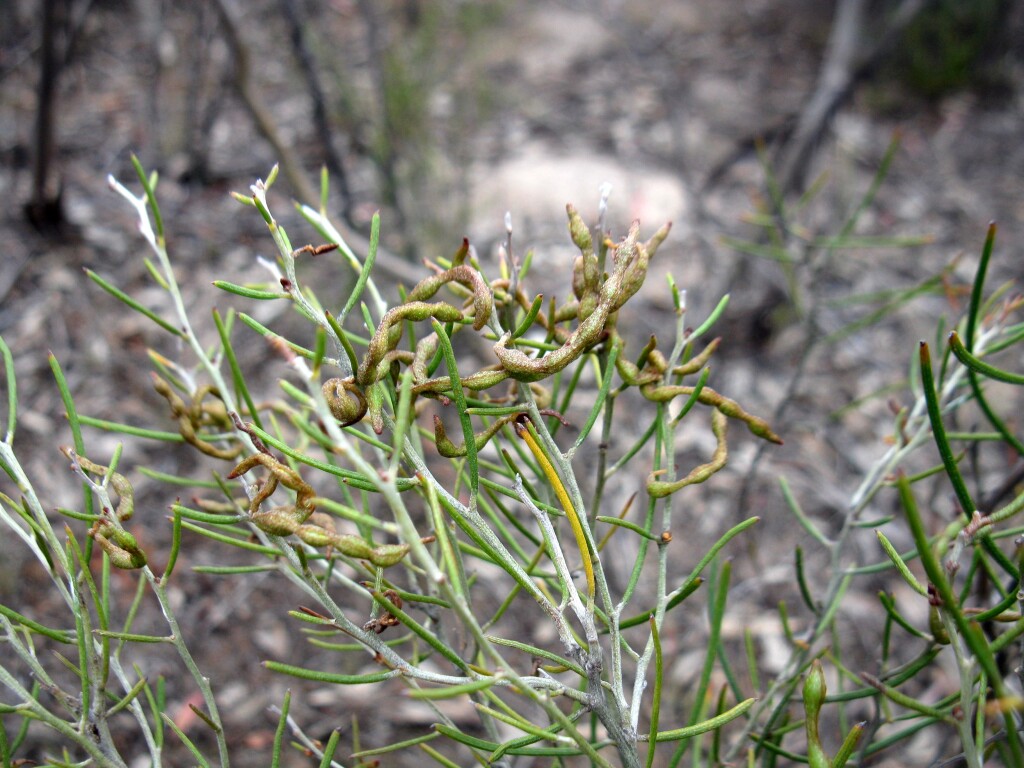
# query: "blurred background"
755,127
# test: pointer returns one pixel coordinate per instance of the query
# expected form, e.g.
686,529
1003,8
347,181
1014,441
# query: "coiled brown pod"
345,399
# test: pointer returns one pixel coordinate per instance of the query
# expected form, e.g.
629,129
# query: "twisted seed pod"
699,360
345,400
639,259
632,259
483,299
319,532
212,413
658,488
708,396
279,521
522,367
125,492
375,396
121,547
450,450
190,419
386,555
484,379
389,333
595,306
586,273
578,230
352,546
425,349
279,473
390,359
